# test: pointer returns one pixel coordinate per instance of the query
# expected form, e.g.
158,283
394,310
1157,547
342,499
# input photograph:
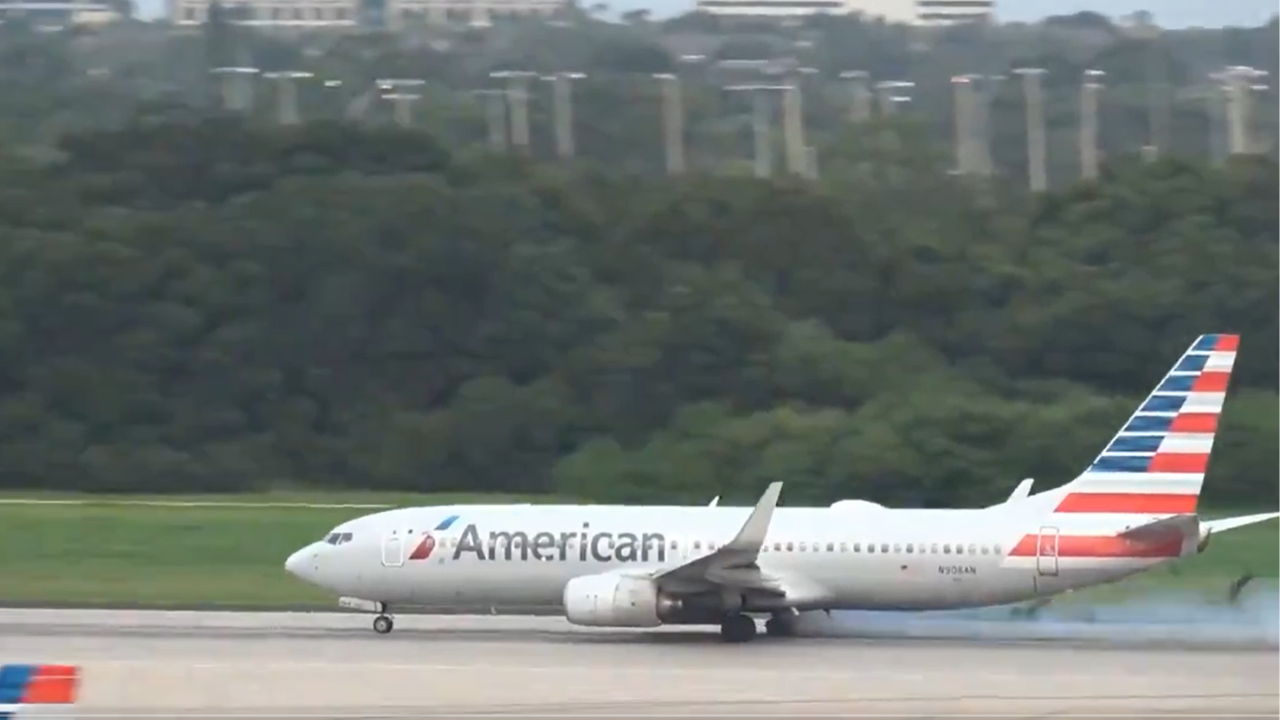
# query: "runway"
331,665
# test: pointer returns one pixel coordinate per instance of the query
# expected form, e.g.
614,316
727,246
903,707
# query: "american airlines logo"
579,546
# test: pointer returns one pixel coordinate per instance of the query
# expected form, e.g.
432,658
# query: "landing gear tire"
383,624
780,626
738,629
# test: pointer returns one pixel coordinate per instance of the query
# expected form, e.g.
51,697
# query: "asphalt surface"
330,665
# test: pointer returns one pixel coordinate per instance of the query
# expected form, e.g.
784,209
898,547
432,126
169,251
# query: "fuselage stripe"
1129,503
1096,546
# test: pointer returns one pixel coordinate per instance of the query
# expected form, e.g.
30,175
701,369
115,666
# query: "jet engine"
615,600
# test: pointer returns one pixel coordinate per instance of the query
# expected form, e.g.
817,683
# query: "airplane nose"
301,563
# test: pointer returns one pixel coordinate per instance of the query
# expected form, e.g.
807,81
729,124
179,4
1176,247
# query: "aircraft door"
393,549
1047,552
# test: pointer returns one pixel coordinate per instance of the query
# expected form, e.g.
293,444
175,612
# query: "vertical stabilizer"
1157,463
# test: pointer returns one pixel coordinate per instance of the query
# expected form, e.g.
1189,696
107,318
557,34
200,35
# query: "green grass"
352,497
99,551
102,553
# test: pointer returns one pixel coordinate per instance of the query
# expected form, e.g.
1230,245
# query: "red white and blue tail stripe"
1157,463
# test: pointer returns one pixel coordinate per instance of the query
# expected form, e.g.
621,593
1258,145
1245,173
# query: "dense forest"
217,304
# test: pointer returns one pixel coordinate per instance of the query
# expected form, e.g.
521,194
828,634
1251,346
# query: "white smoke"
1251,619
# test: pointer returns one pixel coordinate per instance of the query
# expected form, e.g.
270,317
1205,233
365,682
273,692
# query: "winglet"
714,501
1019,493
751,537
1023,490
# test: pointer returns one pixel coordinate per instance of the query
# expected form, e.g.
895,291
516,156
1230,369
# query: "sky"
1168,13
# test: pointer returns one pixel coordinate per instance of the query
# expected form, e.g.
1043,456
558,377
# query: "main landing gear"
781,625
738,629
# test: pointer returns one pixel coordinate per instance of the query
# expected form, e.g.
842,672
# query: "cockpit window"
337,538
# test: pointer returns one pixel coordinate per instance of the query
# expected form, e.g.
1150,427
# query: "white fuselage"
518,557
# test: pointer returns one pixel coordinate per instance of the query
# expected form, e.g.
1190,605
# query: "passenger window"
884,547
973,549
844,547
777,547
995,549
871,547
934,548
959,549
897,548
857,547
674,545
712,546
909,549
804,546
985,549
946,549
791,547
697,544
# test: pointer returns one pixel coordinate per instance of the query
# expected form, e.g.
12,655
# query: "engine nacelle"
856,505
610,600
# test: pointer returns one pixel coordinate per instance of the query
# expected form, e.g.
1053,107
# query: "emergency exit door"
1047,551
393,550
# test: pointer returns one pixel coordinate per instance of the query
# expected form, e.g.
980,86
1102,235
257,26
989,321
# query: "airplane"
1132,509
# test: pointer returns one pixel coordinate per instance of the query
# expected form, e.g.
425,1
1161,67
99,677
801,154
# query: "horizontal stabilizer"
1162,529
1235,522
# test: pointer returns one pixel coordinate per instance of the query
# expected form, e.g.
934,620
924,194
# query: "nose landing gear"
382,624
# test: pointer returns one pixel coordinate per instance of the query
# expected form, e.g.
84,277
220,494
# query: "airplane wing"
734,563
